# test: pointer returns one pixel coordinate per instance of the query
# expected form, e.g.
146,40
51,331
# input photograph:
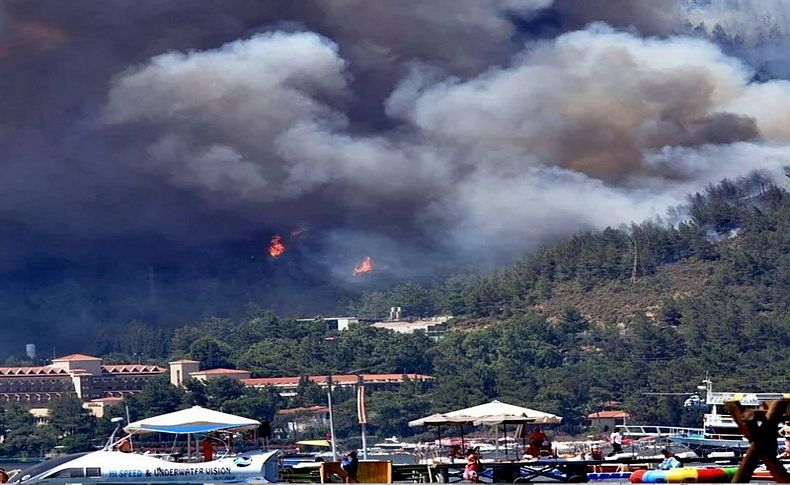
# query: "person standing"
669,462
473,468
536,439
616,439
350,465
207,448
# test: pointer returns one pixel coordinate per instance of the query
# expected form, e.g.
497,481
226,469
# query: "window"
93,472
68,473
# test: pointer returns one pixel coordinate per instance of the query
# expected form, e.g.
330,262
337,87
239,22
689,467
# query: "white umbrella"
192,420
494,412
520,419
439,419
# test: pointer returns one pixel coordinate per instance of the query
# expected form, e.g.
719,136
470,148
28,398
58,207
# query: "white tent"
192,420
494,412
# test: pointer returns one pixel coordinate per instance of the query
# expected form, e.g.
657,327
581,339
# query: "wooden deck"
508,472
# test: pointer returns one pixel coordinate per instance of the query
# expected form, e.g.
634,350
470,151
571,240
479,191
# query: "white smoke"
596,127
739,22
220,112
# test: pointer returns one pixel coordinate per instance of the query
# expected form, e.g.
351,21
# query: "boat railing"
643,431
11,474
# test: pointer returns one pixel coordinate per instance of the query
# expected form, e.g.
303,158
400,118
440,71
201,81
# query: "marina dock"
565,471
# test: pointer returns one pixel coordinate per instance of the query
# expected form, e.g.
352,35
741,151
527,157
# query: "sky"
150,150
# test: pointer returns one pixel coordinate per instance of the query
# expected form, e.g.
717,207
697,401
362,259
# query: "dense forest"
604,316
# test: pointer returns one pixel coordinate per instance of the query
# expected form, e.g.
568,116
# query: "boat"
484,447
311,454
394,445
719,435
119,462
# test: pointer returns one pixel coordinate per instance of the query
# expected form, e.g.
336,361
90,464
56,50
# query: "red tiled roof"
398,377
309,409
369,378
609,415
32,371
184,361
132,369
75,357
107,400
271,381
221,371
337,379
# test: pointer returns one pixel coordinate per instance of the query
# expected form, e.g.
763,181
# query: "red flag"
363,419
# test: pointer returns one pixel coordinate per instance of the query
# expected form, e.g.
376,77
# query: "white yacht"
119,462
393,444
719,435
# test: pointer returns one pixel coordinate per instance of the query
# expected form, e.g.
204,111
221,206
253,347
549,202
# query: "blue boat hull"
703,447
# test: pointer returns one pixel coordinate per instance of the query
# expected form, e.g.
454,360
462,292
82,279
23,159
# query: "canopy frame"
194,420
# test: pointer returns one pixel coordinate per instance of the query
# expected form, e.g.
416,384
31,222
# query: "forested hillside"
706,231
604,316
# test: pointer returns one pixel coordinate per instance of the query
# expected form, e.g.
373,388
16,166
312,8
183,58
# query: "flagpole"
331,419
364,443
361,415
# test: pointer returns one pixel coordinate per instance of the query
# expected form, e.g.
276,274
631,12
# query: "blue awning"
193,420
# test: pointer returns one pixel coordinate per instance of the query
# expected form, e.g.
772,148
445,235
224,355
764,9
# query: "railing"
640,431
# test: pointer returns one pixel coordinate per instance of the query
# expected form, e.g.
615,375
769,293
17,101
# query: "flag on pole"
363,419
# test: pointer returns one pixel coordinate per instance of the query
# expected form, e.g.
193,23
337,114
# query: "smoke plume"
160,143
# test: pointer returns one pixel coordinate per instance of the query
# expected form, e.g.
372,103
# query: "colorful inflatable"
684,475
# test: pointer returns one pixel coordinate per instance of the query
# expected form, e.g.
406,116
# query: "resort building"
434,327
181,370
100,385
217,373
336,324
97,407
287,386
79,375
291,422
606,420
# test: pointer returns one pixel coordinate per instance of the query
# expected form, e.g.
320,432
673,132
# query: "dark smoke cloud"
260,128
656,17
151,149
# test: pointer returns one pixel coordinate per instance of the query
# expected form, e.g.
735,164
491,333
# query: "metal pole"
463,443
504,432
364,443
361,414
439,446
331,418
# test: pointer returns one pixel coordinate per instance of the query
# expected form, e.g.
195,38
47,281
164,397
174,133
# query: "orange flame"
276,247
366,266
